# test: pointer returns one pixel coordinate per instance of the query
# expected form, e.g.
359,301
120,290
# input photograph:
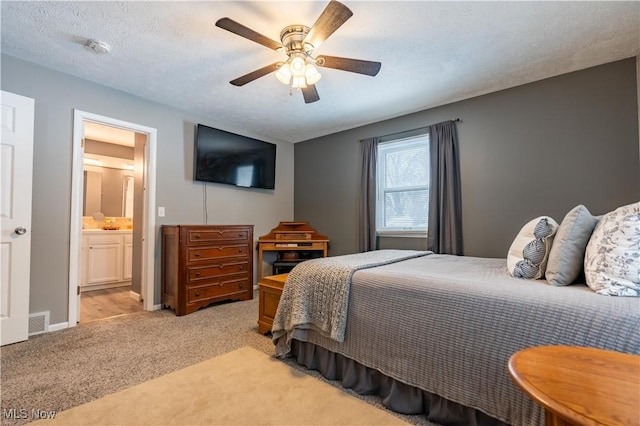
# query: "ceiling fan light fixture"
298,72
298,43
284,74
311,74
298,82
297,64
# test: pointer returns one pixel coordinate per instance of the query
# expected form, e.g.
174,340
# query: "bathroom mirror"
108,190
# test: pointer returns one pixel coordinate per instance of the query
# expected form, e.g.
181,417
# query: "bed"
433,333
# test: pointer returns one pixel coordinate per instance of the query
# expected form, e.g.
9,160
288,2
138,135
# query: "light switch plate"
160,211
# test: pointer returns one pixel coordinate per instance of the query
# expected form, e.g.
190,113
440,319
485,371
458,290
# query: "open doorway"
113,246
109,277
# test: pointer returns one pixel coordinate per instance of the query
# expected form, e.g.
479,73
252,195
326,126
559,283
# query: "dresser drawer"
195,236
207,253
198,273
218,289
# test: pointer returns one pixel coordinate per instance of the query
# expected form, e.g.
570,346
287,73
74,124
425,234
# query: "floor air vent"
38,323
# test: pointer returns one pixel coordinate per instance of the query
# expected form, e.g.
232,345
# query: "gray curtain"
367,240
444,233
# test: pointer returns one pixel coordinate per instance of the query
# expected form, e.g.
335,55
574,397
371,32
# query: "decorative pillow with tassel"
528,254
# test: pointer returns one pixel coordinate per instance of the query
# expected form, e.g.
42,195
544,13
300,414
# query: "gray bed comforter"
316,294
448,325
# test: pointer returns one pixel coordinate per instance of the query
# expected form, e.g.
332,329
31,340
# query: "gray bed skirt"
394,395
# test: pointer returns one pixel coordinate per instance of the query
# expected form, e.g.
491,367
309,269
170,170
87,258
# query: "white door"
16,167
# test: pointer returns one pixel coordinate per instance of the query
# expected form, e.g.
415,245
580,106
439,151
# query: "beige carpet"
243,387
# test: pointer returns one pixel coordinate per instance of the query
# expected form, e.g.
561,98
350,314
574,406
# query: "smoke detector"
97,46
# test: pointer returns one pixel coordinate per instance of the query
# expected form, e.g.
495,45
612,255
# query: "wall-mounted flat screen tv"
224,157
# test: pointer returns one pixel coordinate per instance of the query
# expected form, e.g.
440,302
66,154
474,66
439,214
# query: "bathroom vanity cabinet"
106,259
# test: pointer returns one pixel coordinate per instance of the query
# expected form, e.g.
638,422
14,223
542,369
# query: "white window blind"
402,203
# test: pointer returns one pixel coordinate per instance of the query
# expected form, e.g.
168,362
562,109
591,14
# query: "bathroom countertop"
111,231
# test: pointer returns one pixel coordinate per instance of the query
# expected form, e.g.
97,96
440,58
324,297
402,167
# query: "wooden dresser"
202,264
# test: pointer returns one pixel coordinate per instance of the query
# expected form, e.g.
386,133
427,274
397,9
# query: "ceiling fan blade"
248,78
310,94
347,64
248,33
331,18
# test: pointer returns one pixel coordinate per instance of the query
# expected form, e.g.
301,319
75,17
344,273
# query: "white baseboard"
58,326
135,296
156,307
104,286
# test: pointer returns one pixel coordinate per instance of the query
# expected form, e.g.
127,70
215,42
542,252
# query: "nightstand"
269,291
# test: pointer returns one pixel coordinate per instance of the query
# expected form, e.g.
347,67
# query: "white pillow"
528,254
612,259
569,244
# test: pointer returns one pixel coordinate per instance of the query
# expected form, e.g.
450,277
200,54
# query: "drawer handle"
198,274
240,286
197,294
196,236
196,254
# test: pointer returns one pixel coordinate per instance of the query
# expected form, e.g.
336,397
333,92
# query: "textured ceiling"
432,53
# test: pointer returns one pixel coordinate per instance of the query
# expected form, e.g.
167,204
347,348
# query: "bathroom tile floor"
101,304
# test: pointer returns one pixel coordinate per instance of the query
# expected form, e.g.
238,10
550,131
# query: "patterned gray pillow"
567,252
612,259
528,254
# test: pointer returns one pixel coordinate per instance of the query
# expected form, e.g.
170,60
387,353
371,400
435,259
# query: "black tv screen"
232,159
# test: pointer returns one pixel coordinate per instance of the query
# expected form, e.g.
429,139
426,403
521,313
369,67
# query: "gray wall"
536,149
56,96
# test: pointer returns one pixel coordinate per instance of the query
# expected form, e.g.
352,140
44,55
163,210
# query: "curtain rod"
391,135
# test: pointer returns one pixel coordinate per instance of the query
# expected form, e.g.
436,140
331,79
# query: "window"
402,203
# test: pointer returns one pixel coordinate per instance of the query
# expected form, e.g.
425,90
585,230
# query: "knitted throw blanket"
316,294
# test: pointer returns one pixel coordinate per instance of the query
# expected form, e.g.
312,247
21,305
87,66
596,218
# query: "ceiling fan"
298,43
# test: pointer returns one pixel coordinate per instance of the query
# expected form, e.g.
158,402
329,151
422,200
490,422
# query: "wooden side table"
580,386
269,291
